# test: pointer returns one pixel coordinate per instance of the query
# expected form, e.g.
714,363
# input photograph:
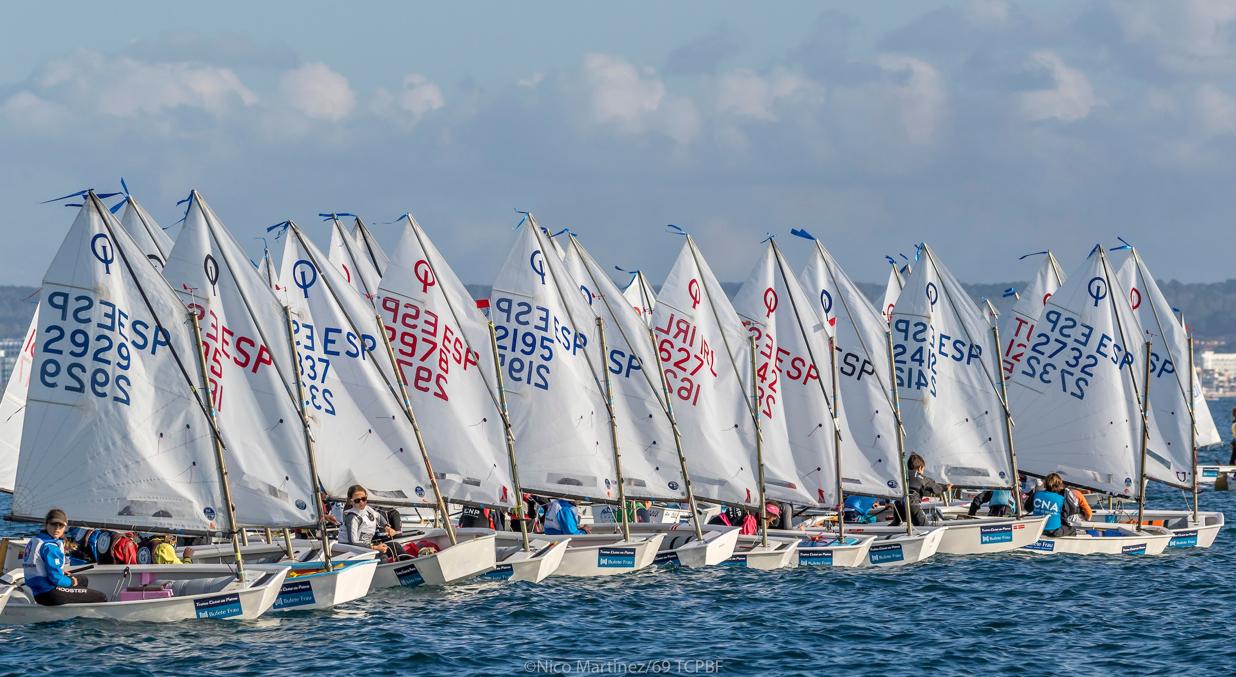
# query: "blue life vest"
1001,497
1049,503
858,508
43,564
560,518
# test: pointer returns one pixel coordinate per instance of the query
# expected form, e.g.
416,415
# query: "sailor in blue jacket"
43,566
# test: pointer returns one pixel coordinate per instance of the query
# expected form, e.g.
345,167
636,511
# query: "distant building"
1218,373
10,348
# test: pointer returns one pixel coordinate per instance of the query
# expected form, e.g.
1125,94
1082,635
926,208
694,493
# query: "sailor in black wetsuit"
920,486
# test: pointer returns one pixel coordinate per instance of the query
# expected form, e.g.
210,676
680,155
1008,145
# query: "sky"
989,129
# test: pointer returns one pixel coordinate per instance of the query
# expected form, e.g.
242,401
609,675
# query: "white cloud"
1216,110
416,98
916,94
634,102
1069,99
1185,36
92,82
532,81
29,110
318,92
746,94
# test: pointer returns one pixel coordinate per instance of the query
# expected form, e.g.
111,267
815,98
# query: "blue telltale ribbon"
674,230
770,236
405,215
1124,245
1026,256
1011,291
632,273
564,230
281,227
334,216
891,261
188,203
522,219
801,232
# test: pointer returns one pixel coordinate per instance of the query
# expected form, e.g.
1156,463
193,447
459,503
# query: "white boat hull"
516,564
1218,477
223,599
752,554
680,547
1186,532
471,556
1153,541
5,592
608,555
309,587
893,547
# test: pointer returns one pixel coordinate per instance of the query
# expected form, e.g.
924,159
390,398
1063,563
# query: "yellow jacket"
164,553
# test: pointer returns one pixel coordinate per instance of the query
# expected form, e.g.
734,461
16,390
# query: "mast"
682,458
759,446
613,433
729,354
420,440
401,393
901,433
833,402
832,347
666,400
1192,419
1008,423
309,447
1141,480
220,463
510,441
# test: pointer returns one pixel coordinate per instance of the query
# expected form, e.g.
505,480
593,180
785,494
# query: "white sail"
892,289
712,402
151,239
356,413
368,246
650,467
1169,459
13,407
639,294
945,353
1073,396
249,366
1207,431
114,433
545,335
442,347
869,464
1018,326
348,258
794,373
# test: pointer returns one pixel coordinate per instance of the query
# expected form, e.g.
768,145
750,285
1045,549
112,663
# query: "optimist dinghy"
158,593
1097,538
1218,477
1187,531
973,536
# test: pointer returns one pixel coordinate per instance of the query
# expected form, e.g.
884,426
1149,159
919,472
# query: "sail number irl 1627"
87,345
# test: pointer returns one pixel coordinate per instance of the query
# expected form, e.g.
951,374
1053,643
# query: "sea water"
998,614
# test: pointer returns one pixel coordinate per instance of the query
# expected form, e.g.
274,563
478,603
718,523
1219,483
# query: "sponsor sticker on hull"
293,594
735,561
499,573
220,606
1041,545
816,558
1133,549
1184,539
409,577
1001,533
885,553
667,558
616,558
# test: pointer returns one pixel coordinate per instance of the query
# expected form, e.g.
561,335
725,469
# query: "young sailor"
863,509
361,523
920,486
165,551
999,503
562,519
43,566
1050,499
